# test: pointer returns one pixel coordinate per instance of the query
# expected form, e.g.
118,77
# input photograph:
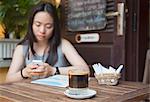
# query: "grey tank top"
61,62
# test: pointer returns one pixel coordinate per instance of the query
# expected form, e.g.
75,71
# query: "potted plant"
14,15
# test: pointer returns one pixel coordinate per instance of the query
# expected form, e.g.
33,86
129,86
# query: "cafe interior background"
123,38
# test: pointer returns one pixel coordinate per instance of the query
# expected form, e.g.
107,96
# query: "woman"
43,42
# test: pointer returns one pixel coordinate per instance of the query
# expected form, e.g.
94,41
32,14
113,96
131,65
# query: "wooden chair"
146,77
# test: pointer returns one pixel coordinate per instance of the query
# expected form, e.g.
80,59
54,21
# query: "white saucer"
88,94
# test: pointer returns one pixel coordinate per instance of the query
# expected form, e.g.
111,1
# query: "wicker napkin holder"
108,78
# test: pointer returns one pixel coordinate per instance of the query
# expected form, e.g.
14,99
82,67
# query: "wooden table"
24,91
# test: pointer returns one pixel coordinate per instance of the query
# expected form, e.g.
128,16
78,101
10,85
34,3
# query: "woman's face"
42,26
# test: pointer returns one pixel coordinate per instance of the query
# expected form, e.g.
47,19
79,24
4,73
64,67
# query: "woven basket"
108,78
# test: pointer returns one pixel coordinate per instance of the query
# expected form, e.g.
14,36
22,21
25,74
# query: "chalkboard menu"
84,15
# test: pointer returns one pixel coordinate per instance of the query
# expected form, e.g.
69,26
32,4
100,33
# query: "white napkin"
99,68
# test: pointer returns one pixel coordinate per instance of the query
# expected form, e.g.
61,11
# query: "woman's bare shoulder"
65,42
67,46
19,49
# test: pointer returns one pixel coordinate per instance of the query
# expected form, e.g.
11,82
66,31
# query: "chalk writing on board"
86,15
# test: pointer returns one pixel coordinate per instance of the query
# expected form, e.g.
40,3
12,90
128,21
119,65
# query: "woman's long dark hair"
54,40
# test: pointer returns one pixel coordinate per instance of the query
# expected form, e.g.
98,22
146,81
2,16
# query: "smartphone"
37,62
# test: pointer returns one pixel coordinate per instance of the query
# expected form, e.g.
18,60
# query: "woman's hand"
45,70
40,71
29,69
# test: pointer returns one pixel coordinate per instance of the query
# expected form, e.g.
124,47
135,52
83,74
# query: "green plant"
14,15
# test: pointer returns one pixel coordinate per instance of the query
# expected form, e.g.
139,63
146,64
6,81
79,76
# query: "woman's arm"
73,57
16,65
